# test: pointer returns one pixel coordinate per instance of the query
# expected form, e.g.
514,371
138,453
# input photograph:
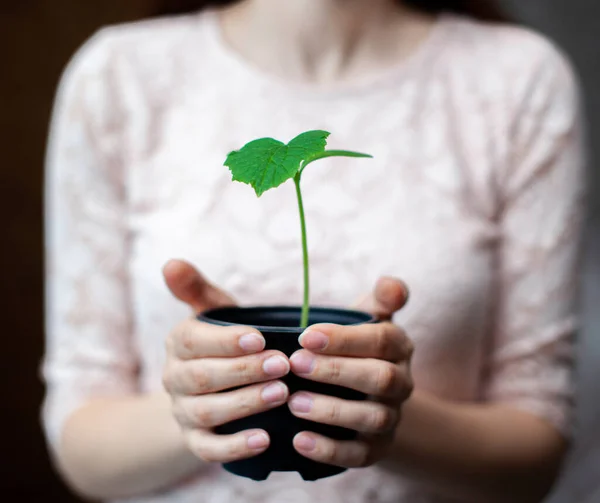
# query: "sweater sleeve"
531,363
89,345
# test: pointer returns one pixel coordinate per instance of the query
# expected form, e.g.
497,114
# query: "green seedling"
267,163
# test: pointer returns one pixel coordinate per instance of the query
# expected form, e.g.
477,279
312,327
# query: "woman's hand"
373,359
203,360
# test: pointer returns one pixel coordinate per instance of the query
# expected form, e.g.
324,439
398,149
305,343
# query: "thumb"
189,286
389,296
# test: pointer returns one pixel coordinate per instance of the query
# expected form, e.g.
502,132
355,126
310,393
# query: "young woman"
473,199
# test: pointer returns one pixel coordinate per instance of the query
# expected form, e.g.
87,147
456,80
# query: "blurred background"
37,37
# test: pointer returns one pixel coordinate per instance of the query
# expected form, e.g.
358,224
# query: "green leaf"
333,153
307,144
266,163
262,164
341,153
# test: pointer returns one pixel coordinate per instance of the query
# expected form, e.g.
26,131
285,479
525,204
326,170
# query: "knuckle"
234,448
217,450
186,339
335,369
381,419
226,344
342,338
366,458
386,379
197,447
382,340
203,417
330,452
244,370
246,403
333,413
200,379
208,455
246,407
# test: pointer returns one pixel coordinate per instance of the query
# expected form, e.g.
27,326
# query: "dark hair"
486,10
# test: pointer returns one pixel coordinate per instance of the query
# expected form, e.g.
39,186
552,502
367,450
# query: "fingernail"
301,402
303,362
313,340
258,441
276,366
274,393
252,343
305,443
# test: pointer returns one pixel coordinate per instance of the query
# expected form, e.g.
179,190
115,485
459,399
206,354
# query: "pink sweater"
474,198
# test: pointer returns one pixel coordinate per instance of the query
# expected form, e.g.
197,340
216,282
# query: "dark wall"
575,25
36,39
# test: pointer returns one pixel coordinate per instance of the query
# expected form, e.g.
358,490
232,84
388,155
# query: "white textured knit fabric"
474,198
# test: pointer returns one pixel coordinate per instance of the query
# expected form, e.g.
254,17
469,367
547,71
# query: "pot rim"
206,316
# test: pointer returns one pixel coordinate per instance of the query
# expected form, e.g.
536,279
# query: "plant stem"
306,303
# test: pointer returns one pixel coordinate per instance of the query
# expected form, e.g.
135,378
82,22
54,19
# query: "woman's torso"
423,209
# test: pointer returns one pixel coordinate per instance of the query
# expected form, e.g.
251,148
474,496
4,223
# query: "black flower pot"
280,327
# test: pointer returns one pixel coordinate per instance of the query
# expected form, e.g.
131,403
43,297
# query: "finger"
216,409
389,296
194,339
363,416
210,375
189,286
370,376
345,453
214,448
384,341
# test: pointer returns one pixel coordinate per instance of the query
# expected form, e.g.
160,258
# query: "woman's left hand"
373,359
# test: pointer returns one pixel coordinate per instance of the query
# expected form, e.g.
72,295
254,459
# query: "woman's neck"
324,40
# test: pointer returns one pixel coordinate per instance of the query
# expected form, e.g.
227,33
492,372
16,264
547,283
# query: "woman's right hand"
204,360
